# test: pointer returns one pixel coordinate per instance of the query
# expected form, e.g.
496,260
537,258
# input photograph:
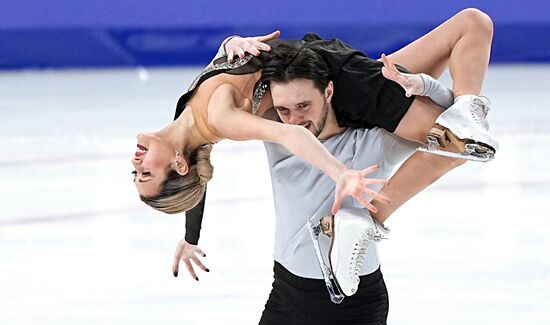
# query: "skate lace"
359,251
479,113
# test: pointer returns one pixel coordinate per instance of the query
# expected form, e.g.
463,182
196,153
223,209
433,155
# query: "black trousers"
297,300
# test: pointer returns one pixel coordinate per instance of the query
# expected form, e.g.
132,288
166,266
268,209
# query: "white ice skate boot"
353,231
465,125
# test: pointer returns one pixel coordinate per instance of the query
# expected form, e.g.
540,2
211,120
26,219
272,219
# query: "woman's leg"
414,175
421,169
463,43
418,121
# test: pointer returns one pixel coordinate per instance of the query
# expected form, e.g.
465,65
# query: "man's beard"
322,121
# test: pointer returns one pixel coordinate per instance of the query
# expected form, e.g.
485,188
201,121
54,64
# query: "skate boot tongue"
483,103
480,107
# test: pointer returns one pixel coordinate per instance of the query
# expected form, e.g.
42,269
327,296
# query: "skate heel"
327,225
437,137
455,140
440,136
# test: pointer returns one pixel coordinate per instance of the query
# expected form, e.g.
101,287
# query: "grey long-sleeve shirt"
302,192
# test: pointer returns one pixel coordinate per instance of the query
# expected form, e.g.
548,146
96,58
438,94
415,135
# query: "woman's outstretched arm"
233,122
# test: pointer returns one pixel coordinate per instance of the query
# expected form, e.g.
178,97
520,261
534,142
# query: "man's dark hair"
294,60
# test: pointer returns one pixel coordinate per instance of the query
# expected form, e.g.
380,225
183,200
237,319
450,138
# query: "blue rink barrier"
121,33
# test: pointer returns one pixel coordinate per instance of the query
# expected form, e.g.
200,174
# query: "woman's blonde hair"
181,193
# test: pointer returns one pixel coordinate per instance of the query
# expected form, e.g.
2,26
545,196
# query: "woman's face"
152,162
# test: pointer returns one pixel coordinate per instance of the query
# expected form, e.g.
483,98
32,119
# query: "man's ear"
180,165
329,91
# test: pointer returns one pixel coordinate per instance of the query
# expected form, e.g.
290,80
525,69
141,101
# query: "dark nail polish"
176,274
207,270
203,255
197,279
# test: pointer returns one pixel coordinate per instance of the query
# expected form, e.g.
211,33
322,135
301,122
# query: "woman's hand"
187,253
411,83
354,183
237,46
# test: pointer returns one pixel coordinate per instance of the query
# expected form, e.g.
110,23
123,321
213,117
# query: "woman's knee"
477,21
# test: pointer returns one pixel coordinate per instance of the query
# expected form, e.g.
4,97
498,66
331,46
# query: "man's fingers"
199,263
369,170
190,269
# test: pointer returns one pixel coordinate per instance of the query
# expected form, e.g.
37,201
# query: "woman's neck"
182,133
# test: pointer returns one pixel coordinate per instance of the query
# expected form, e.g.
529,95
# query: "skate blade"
335,292
327,223
330,233
459,155
479,149
441,137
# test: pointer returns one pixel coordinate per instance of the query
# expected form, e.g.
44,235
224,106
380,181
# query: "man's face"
298,102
